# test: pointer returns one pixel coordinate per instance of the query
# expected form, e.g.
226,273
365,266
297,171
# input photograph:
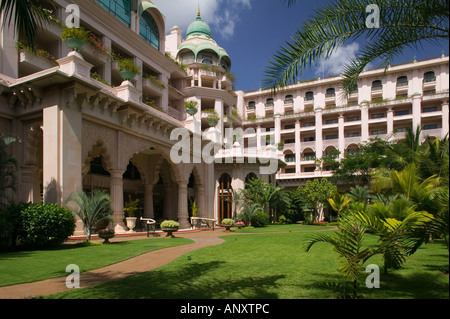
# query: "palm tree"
398,238
91,208
348,242
407,183
339,203
26,16
403,24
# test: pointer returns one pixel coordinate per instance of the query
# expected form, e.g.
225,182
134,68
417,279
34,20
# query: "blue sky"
251,31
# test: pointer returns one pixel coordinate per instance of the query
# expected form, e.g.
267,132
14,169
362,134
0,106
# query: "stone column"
390,121
364,121
416,110
148,201
116,189
445,126
277,128
298,152
28,191
341,147
201,201
183,213
319,138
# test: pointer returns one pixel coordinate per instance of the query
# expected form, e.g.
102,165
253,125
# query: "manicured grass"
271,266
281,228
28,266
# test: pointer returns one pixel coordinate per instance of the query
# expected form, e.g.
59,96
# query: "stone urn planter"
106,235
170,227
131,223
227,223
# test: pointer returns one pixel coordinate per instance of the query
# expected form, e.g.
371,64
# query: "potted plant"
75,38
130,208
227,223
170,226
239,225
191,107
280,146
106,234
212,118
127,69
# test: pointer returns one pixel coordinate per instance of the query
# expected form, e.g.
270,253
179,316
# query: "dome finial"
198,11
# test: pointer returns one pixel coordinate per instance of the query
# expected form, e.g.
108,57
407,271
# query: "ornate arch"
98,149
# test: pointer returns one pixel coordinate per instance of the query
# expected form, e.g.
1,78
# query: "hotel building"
83,126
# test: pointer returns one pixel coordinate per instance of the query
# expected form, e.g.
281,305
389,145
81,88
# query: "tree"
399,238
402,24
339,203
407,183
348,243
91,208
267,196
317,193
26,16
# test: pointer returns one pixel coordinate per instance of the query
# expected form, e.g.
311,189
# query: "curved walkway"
132,266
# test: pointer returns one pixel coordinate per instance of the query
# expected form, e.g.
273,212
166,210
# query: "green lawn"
29,266
271,266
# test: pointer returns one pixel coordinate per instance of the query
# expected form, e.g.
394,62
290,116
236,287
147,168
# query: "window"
377,116
289,170
251,105
430,109
332,121
352,118
309,169
430,127
121,9
289,158
429,77
149,30
309,124
309,139
309,96
353,134
377,85
330,92
332,137
290,126
289,141
402,81
269,102
289,99
400,113
377,132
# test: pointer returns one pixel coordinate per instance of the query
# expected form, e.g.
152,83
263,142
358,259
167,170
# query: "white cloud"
335,63
221,15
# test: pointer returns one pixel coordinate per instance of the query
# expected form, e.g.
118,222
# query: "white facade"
314,117
82,127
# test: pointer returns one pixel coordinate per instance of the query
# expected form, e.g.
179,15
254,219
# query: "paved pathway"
139,264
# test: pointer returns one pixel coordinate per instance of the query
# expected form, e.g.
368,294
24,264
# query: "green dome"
198,28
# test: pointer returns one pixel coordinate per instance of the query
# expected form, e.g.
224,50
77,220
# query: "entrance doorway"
225,197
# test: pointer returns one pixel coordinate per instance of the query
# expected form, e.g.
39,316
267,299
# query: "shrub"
10,221
227,221
260,219
45,225
170,224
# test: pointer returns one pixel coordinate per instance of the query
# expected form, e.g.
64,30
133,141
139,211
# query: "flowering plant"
239,224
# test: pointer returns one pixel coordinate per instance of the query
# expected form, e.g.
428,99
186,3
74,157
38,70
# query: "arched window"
251,105
249,177
402,81
207,61
269,102
330,92
429,76
309,96
121,9
225,197
288,99
149,30
377,85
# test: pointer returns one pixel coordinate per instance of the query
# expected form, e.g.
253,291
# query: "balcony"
289,105
31,63
402,86
153,86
